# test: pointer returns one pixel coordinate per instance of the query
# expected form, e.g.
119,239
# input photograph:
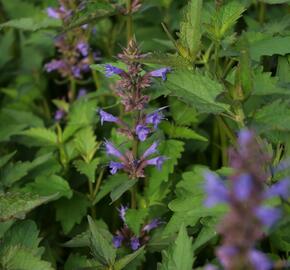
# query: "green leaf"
197,90
122,188
102,248
135,219
180,255
78,203
48,185
272,2
16,205
42,136
88,169
190,28
110,184
31,24
123,262
4,159
181,132
77,262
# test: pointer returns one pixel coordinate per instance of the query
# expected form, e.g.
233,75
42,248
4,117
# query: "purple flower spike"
152,225
160,72
215,189
122,212
259,260
83,47
107,117
51,12
279,189
111,150
155,118
142,132
135,243
243,186
268,216
54,65
59,114
245,136
151,150
158,162
115,166
117,241
111,70
225,254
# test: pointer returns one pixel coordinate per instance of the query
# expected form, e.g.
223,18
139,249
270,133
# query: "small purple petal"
259,260
122,212
150,151
152,225
210,267
135,243
51,12
160,72
215,189
83,48
279,189
59,114
117,240
225,254
82,92
158,162
268,216
111,150
243,187
111,70
107,117
76,71
142,132
155,118
54,65
115,166
245,136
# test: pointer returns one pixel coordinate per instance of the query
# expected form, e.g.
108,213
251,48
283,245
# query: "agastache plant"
245,195
131,89
126,237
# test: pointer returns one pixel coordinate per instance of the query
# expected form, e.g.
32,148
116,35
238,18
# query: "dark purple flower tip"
76,71
243,187
245,136
267,215
155,118
158,162
111,70
83,48
225,255
135,243
117,240
59,114
151,150
54,65
142,132
107,117
279,189
152,225
259,260
111,150
215,189
115,166
82,92
51,12
160,72
122,212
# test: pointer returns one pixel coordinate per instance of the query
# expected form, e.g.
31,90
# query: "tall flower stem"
129,21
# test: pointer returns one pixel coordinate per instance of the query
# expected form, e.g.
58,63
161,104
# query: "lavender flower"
215,189
158,162
117,240
83,47
243,187
111,70
142,132
59,114
152,225
76,71
82,92
111,150
155,118
51,12
267,215
54,65
225,254
160,72
107,117
279,189
115,166
122,212
259,260
150,151
135,243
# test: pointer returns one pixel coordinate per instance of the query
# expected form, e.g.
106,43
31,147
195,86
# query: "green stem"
216,58
62,153
98,183
129,21
72,89
262,12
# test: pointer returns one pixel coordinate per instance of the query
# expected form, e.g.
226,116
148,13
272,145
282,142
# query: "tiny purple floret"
158,162
111,150
54,65
83,48
82,92
152,225
267,215
111,70
107,117
279,189
76,71
51,12
135,243
160,73
59,114
155,118
117,240
122,212
225,254
259,260
142,132
243,187
115,166
151,150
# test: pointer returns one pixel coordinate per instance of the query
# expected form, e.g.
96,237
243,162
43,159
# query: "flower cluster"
73,47
245,195
130,88
127,237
